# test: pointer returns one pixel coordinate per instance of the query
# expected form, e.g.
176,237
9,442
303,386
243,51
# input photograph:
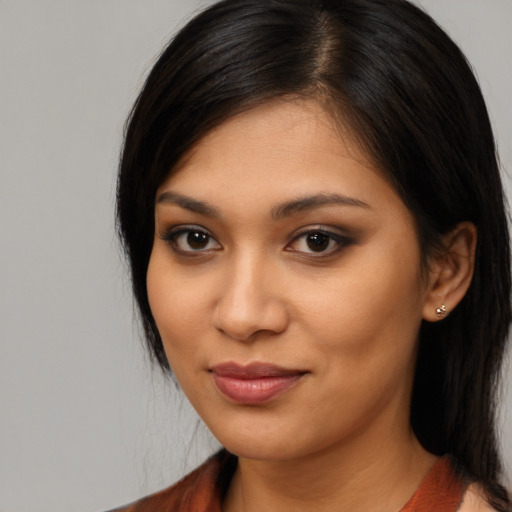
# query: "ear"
450,272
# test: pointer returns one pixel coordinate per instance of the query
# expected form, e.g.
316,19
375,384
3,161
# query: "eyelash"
173,235
339,242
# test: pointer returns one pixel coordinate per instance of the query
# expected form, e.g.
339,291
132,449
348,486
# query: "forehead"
273,152
280,129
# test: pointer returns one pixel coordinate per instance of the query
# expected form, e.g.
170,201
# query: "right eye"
191,240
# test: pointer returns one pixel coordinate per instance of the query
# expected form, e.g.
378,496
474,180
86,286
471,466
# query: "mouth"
255,383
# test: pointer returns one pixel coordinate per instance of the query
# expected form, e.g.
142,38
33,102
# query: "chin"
262,450
274,443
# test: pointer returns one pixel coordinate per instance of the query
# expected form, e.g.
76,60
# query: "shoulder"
201,490
474,500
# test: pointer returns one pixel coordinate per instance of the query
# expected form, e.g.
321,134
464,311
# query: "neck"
376,473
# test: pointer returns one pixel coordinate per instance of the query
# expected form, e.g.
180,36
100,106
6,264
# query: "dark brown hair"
387,70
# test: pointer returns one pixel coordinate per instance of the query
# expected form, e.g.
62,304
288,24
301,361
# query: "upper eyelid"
180,228
329,230
335,236
334,232
316,228
174,231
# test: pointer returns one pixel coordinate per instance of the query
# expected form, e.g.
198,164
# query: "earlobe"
451,272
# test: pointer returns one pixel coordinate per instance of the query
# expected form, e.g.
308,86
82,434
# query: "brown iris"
197,240
317,242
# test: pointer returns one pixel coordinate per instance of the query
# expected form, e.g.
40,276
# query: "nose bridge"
249,300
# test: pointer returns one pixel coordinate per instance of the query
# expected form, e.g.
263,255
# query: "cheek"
370,312
176,306
364,332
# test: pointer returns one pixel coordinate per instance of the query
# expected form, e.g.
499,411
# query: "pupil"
197,240
317,242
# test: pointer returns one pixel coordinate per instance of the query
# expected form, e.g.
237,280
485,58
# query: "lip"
255,383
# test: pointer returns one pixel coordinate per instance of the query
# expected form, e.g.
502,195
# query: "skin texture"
474,500
347,316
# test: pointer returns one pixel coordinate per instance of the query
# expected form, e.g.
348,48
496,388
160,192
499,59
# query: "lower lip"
254,391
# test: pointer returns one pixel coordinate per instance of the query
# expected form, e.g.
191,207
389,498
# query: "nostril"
244,323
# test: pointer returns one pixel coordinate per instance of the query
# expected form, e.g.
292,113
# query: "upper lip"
253,371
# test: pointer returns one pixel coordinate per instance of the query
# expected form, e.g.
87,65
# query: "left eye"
317,242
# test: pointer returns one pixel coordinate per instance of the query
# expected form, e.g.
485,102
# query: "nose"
250,303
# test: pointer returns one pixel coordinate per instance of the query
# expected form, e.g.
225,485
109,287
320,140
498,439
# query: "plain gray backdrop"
85,424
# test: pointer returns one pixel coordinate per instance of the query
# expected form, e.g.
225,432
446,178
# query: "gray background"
84,423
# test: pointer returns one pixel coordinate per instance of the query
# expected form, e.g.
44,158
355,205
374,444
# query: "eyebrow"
188,203
279,211
315,201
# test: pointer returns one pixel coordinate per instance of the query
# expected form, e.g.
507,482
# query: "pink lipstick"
255,383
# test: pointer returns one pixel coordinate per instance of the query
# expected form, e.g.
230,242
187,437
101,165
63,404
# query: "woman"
311,206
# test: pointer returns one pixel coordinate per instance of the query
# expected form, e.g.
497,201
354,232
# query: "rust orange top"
203,490
441,490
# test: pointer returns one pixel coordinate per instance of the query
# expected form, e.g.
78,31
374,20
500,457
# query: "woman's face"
286,283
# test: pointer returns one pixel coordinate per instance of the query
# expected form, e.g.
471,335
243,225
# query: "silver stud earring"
441,312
